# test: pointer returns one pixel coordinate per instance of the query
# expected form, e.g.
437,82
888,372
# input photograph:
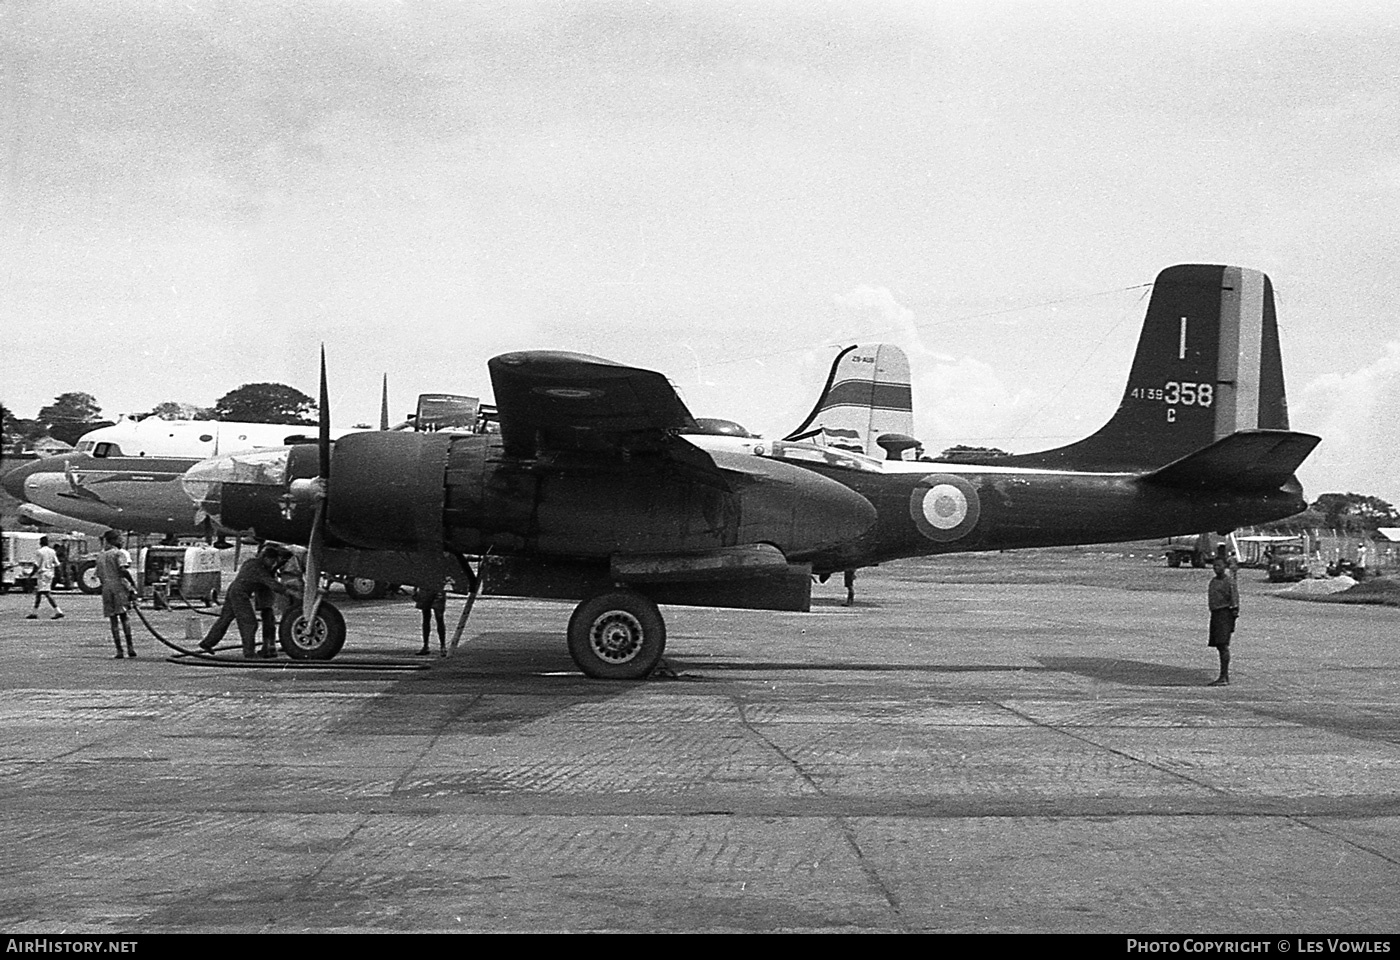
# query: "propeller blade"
384,405
324,439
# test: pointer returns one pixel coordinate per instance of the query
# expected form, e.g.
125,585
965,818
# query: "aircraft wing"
551,401
1248,460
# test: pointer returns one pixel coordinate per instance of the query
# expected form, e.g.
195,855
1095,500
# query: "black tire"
363,588
323,643
88,581
617,636
1198,560
1173,560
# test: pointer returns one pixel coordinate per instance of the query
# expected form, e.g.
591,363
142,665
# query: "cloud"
1357,414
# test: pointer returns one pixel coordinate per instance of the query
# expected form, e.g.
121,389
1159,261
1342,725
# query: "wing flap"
1248,460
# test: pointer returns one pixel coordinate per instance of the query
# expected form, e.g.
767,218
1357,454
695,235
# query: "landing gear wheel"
321,642
363,588
617,636
88,581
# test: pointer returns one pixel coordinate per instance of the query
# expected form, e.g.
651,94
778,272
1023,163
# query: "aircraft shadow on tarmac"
1131,672
494,682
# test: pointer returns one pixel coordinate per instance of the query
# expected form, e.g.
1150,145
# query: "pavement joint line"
1306,822
872,875
1066,731
306,883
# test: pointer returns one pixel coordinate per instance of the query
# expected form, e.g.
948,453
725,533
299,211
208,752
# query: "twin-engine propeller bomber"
601,487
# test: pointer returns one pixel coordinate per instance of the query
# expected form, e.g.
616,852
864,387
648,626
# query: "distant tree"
171,410
71,415
266,403
18,429
81,407
8,426
1354,511
965,454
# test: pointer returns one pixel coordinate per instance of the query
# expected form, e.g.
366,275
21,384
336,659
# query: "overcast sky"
197,194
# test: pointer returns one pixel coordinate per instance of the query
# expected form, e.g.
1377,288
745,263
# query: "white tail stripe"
1240,351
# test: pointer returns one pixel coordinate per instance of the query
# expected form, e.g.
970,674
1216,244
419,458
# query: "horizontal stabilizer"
1249,460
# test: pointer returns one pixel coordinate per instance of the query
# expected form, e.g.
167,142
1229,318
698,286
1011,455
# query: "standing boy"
1223,597
114,570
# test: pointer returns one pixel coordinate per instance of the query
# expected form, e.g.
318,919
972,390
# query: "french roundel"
944,507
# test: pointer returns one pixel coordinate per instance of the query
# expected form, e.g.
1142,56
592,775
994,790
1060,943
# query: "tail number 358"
1174,393
1187,394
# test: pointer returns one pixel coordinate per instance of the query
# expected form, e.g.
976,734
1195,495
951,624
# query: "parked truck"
1196,549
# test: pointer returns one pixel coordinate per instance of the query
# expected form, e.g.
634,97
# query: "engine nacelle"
386,490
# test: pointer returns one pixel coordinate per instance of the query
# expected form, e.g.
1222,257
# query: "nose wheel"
617,636
319,640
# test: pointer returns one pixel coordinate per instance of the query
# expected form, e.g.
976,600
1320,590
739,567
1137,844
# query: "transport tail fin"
1207,366
866,397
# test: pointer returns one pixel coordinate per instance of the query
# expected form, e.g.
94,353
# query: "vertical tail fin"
866,396
1207,365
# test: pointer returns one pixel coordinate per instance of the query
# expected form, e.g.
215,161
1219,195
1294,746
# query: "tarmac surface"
1017,742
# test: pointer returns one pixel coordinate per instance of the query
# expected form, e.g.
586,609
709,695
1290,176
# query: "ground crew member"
47,559
241,602
1223,598
118,589
432,601
850,577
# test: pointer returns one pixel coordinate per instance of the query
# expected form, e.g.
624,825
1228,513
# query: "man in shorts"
47,559
1223,598
118,587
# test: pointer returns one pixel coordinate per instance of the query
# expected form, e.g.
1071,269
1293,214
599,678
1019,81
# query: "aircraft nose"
13,481
830,514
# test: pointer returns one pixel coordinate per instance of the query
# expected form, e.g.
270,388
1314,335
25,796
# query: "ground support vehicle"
19,565
1287,562
1197,550
190,572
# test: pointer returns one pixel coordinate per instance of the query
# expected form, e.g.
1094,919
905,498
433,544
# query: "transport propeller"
314,490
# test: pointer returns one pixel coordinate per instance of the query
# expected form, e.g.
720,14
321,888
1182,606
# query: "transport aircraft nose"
13,481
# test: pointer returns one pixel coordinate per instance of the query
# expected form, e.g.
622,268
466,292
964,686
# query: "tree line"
75,413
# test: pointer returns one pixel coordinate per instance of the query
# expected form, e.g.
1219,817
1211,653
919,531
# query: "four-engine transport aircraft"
591,492
127,475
